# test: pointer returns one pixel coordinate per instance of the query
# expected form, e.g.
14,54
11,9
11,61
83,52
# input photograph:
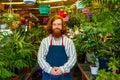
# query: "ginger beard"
57,32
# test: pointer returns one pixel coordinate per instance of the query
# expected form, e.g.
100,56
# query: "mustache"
57,28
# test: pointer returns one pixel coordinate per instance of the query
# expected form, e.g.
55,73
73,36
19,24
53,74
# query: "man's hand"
56,71
53,71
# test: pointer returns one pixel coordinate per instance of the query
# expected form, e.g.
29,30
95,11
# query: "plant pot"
94,69
44,9
103,61
79,6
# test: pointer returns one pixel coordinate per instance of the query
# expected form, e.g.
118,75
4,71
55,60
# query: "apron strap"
51,41
62,41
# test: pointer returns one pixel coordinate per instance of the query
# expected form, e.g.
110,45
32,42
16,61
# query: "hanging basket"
62,13
29,1
44,9
79,5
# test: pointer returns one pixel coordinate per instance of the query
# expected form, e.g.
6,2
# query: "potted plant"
35,36
106,22
18,51
74,20
15,54
102,74
94,66
77,39
8,17
44,9
112,74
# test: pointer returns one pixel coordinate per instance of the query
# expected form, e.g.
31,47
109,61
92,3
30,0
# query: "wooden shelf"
85,70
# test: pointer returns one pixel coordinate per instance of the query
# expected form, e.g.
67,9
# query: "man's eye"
57,24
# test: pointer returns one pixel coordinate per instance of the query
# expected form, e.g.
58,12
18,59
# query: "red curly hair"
50,22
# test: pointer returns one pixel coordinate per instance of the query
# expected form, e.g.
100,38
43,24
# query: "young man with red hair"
57,54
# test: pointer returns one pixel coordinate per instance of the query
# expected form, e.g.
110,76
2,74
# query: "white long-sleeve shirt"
69,48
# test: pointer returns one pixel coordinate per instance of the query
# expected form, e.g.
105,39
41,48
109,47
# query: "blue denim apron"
56,57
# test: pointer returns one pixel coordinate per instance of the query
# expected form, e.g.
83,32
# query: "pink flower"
66,18
85,10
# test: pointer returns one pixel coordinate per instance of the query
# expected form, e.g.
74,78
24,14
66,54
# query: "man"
57,54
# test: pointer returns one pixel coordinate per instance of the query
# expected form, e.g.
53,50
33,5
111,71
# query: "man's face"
57,27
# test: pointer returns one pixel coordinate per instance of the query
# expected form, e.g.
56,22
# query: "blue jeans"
47,76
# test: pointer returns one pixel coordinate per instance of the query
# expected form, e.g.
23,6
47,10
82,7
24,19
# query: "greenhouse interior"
92,45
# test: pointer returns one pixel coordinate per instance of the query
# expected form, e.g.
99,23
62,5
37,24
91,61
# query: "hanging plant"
96,4
62,13
70,8
44,9
7,17
79,5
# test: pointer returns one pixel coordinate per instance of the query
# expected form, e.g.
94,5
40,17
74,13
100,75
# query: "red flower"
62,13
45,19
